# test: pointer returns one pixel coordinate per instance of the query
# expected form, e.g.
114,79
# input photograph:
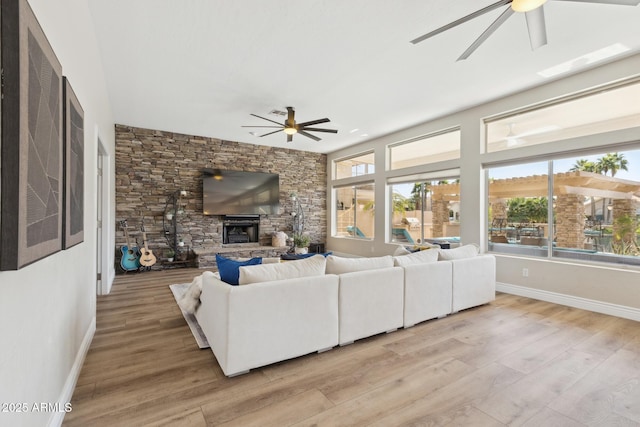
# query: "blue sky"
563,165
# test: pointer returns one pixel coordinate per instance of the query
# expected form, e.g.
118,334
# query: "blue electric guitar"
130,260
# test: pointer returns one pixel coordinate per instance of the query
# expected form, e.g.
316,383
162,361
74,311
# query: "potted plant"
301,243
170,253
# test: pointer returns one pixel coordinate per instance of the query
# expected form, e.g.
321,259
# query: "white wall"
600,287
47,309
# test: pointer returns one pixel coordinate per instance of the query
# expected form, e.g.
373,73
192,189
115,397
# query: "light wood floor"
515,361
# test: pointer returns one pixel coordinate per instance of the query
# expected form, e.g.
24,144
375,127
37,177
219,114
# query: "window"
607,109
424,150
425,211
355,166
518,208
594,212
355,211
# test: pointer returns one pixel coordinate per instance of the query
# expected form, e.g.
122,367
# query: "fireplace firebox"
240,229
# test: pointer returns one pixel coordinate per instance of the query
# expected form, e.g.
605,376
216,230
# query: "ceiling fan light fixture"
290,130
526,5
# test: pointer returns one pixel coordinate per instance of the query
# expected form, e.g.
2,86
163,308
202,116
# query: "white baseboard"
571,301
72,379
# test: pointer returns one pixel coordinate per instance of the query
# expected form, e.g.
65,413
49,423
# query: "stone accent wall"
151,165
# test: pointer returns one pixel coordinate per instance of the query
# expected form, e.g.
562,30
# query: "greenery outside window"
355,211
425,211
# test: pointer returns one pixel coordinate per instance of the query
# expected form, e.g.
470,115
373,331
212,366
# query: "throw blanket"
190,300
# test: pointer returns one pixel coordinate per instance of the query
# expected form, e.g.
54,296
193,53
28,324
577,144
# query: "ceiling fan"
290,127
534,13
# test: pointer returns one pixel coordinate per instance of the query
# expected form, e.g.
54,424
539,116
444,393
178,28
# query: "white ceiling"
200,67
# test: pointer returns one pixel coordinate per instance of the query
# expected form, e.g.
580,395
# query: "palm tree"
583,165
416,195
399,203
611,162
587,166
616,162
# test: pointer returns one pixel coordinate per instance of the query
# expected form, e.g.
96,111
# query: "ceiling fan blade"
314,122
264,118
308,135
291,117
265,126
615,2
537,27
271,133
485,35
318,130
289,138
461,20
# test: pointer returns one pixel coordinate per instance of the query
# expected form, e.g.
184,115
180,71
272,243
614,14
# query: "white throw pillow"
466,251
401,250
420,257
339,265
312,266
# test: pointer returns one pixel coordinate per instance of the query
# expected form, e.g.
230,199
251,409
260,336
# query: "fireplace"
240,229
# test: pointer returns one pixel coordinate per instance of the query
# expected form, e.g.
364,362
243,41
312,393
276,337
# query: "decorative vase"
301,250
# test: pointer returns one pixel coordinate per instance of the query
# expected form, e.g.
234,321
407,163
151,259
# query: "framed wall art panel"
31,169
73,206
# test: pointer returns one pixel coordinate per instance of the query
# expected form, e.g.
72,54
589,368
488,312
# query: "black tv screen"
227,192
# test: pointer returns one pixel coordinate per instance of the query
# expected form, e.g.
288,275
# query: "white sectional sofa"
281,311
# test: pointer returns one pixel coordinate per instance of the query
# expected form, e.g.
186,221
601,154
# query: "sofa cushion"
466,251
420,257
312,266
229,268
339,265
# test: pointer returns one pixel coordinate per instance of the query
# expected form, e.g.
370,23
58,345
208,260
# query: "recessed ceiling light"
364,134
354,130
587,59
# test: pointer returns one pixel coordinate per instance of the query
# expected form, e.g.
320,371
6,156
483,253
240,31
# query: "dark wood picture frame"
73,125
31,169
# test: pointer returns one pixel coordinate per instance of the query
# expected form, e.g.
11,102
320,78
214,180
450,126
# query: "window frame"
423,137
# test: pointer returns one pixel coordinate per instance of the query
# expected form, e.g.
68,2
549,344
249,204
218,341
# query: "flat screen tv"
227,192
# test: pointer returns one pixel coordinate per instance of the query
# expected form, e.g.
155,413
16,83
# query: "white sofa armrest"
267,322
212,315
371,302
428,291
474,281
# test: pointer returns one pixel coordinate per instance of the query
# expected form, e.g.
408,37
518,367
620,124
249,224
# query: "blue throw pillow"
230,269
